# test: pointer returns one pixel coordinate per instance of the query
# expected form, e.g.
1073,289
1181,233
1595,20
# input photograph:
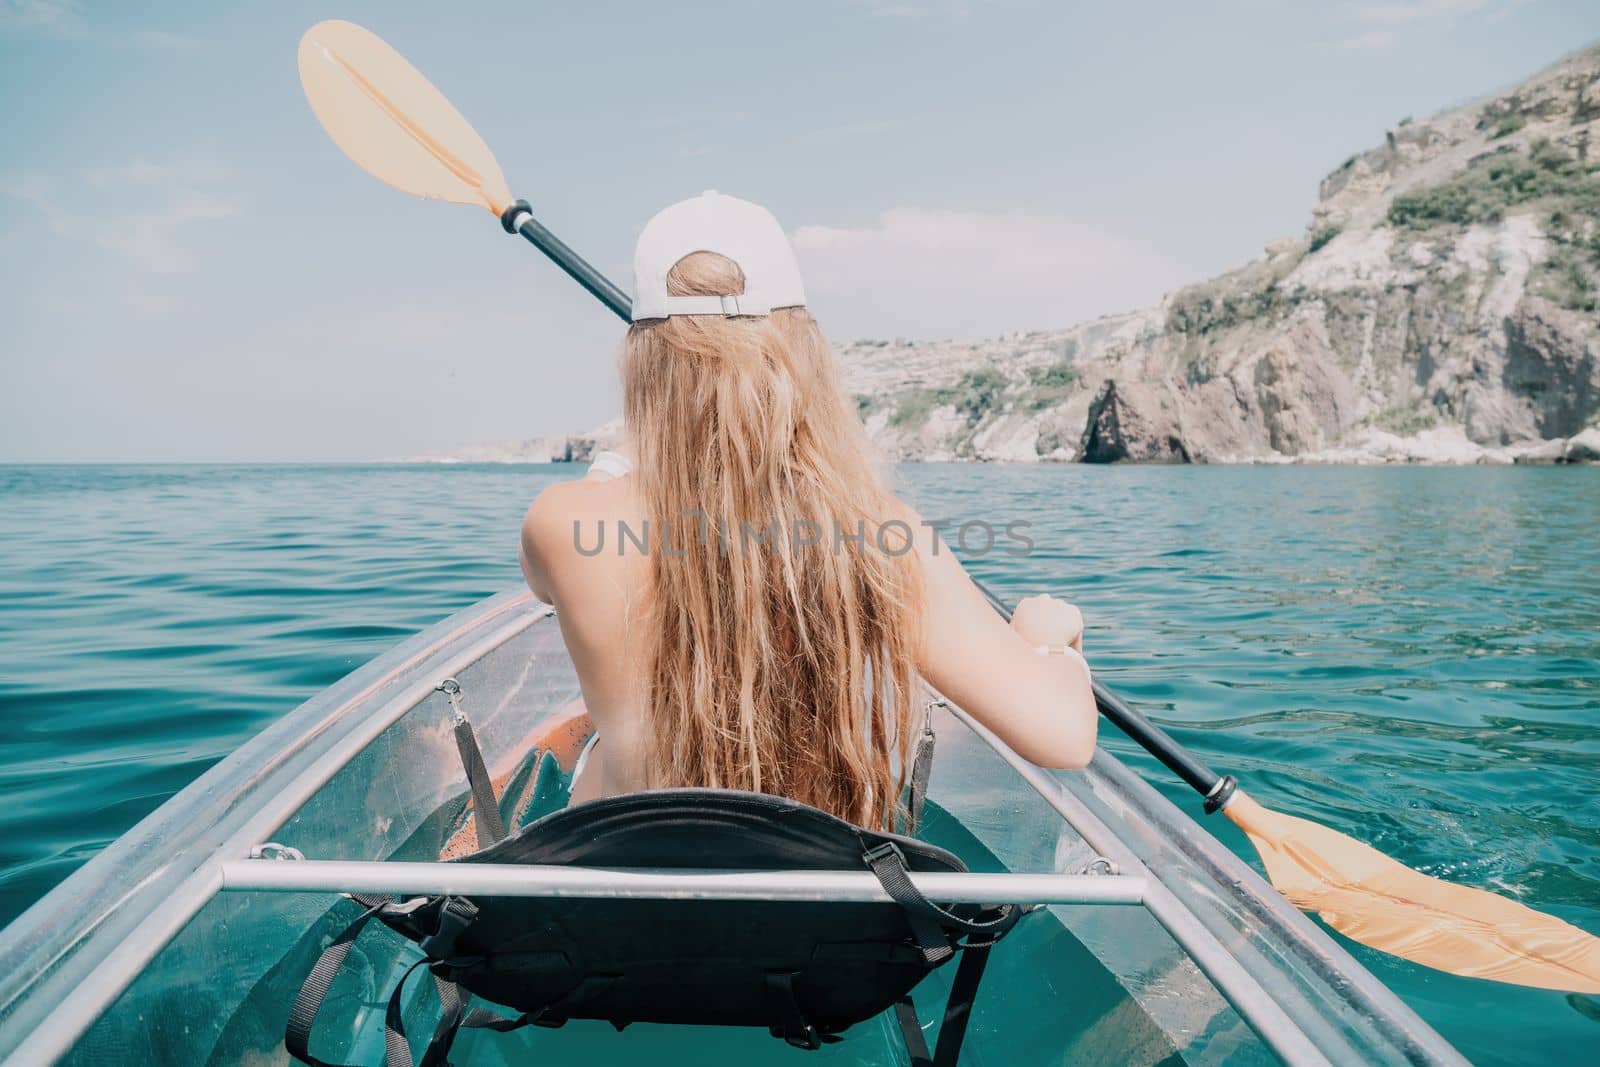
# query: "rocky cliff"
1441,307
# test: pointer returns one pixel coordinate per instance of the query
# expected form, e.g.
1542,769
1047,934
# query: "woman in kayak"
747,604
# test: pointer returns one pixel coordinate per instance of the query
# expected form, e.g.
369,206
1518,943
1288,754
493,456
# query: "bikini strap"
611,464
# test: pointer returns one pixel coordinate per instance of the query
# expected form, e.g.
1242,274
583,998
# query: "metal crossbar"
641,883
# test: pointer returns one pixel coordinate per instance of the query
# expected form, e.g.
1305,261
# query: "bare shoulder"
555,506
562,517
549,523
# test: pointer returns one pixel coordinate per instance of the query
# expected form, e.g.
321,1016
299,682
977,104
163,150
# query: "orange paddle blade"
1377,901
391,120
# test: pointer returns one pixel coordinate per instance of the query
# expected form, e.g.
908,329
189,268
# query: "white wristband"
1062,650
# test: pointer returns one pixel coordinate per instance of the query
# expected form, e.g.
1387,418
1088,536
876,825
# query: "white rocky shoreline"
1449,447
1441,447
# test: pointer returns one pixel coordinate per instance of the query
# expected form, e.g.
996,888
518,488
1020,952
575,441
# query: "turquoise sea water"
1409,655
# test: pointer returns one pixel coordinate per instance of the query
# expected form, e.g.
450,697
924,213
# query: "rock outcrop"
555,448
1441,307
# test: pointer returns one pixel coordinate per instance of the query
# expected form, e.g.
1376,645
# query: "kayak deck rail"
643,883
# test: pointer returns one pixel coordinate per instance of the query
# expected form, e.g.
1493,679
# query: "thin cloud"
1380,26
36,191
1011,247
67,19
888,9
849,131
916,9
160,240
166,39
1370,41
929,272
1402,14
19,15
677,120
168,201
140,170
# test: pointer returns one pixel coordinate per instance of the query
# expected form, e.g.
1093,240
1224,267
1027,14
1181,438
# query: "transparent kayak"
171,947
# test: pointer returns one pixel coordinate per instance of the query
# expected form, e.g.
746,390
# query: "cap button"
709,192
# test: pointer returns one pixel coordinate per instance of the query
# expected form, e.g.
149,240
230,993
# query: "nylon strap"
957,1013
452,1012
931,926
911,1032
485,808
308,1002
958,1009
928,920
931,939
303,1015
454,1015
479,1019
921,769
396,1050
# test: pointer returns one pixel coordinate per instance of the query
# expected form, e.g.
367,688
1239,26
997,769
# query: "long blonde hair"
768,664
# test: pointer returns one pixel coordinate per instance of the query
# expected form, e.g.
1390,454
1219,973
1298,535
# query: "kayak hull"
144,955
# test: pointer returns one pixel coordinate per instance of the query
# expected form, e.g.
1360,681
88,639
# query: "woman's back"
580,553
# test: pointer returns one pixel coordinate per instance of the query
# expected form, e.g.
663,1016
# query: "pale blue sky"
195,273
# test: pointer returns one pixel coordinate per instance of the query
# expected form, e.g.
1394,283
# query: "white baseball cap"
743,232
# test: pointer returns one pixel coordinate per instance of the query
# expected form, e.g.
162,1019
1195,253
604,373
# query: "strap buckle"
883,851
455,915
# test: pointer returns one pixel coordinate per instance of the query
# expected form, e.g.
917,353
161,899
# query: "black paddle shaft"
1156,741
518,218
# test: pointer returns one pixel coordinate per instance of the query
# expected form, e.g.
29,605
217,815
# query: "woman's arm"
1040,704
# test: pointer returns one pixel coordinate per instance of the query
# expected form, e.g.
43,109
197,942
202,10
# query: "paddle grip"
518,218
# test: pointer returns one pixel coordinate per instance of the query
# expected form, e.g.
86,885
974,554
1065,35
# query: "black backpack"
805,970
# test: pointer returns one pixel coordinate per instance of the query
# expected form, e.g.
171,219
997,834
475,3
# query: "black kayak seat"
804,970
